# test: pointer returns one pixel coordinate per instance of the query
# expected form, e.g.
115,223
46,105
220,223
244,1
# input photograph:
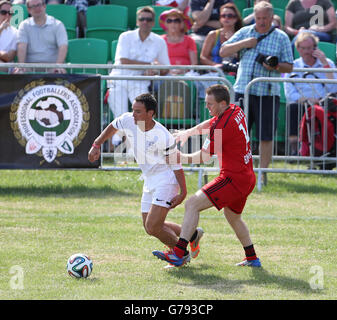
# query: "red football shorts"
222,193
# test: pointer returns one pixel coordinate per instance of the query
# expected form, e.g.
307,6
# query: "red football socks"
180,248
250,253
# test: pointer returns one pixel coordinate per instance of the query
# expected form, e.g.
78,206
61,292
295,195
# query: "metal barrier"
291,164
108,67
195,110
197,115
294,164
184,87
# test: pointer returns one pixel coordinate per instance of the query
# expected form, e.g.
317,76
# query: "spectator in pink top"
182,49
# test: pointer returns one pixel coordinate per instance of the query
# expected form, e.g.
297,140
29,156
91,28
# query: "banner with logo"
48,120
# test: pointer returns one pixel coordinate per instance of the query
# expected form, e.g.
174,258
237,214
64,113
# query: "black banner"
48,120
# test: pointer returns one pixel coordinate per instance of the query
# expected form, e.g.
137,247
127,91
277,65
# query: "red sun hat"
187,20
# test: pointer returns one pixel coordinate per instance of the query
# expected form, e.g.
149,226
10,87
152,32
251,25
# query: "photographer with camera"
265,51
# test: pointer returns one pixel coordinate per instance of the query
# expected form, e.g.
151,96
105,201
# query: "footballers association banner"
49,120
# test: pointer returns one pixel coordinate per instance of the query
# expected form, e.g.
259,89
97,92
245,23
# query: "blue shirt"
295,91
215,51
277,43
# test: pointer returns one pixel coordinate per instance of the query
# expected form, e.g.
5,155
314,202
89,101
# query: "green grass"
45,216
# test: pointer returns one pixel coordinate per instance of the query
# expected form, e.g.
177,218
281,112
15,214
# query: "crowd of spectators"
207,32
207,25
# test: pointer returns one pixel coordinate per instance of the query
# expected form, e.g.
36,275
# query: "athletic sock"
195,234
180,248
250,252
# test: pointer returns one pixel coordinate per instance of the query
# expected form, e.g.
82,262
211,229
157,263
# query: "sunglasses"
4,12
229,16
145,19
177,20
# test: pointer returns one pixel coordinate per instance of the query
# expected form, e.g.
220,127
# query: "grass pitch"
45,216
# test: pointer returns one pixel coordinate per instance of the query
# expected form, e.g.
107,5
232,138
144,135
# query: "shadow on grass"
65,192
260,277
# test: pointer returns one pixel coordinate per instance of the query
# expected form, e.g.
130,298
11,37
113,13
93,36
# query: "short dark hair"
148,10
220,92
43,2
149,102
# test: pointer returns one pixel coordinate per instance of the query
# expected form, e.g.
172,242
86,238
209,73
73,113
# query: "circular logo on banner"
50,120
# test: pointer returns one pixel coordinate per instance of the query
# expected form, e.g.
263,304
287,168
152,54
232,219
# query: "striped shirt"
277,43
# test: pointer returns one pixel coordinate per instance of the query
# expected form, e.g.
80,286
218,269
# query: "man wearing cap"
135,47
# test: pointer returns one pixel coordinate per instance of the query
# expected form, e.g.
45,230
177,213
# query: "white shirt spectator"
296,91
130,46
8,39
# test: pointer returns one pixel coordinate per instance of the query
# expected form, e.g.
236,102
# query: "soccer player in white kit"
164,185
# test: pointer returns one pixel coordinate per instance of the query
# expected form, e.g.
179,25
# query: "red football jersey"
229,140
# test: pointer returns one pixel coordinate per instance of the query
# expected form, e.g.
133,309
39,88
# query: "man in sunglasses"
42,38
136,47
8,34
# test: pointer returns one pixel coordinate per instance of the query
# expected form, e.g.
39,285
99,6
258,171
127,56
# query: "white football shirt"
150,149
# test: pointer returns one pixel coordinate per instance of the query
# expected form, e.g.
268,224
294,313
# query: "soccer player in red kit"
227,138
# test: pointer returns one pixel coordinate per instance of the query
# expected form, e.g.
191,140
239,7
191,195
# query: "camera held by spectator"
229,66
271,61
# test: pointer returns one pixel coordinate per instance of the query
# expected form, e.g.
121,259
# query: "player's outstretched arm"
106,134
182,135
198,157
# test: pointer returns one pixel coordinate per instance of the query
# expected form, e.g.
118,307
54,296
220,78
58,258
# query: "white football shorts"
160,196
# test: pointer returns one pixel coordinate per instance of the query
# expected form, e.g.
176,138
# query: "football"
79,266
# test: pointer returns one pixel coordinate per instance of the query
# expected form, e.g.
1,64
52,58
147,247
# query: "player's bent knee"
231,216
147,230
152,229
190,204
194,203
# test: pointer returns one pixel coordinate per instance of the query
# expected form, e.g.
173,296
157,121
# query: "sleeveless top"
215,51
